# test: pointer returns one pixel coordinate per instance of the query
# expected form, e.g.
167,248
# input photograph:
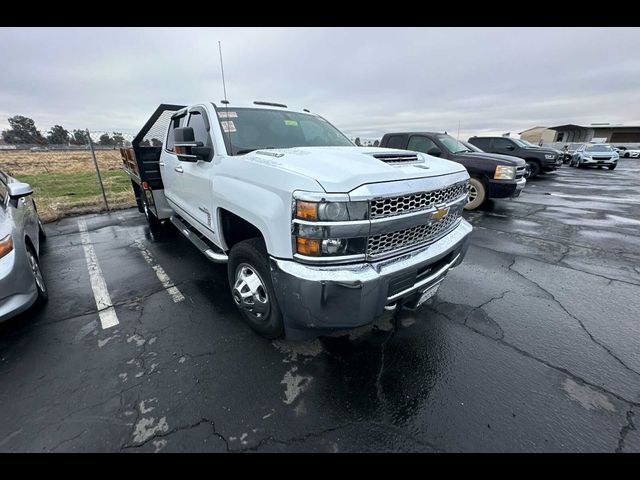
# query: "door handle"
179,169
161,164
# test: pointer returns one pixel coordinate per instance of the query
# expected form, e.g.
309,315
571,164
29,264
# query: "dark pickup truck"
539,159
492,176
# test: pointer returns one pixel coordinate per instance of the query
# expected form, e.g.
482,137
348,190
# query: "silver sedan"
21,233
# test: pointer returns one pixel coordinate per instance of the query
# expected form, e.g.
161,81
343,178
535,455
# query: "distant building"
538,135
594,132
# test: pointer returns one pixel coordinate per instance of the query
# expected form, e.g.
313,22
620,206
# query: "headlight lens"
331,211
549,156
6,245
504,172
329,247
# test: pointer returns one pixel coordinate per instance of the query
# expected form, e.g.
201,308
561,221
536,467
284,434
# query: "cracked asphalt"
532,344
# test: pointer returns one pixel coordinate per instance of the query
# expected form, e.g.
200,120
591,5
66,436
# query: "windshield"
249,129
598,148
471,147
453,145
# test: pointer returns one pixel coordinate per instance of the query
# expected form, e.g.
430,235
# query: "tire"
611,167
477,194
38,278
534,168
42,234
154,222
250,281
627,155
599,167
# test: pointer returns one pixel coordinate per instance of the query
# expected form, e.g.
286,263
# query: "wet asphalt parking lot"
532,344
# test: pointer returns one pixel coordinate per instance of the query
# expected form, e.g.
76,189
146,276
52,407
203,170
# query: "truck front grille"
387,207
410,237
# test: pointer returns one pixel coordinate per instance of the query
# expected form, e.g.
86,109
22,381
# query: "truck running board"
210,251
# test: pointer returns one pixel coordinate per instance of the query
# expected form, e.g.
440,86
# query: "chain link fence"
80,177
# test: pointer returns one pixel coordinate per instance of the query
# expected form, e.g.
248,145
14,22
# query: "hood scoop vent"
398,159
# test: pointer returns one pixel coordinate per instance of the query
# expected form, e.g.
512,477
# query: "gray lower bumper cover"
316,299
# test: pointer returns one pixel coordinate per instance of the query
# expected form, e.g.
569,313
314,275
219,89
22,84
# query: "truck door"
503,146
170,166
197,176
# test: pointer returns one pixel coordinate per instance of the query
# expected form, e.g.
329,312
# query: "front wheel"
477,194
252,289
612,167
42,234
38,278
534,169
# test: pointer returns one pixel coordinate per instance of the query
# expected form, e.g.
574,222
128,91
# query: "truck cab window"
395,141
503,144
171,138
200,134
422,144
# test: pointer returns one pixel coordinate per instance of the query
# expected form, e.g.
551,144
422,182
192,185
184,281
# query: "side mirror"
434,152
18,190
187,149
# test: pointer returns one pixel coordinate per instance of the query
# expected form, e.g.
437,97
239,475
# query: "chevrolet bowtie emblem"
440,213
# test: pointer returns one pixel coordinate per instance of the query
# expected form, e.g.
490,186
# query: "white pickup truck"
319,235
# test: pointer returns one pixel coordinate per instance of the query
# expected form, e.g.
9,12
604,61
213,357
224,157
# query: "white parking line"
169,286
106,312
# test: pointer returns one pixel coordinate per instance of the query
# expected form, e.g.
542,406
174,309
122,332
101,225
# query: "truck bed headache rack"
147,144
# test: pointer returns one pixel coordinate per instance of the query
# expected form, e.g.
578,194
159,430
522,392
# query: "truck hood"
494,157
541,150
342,169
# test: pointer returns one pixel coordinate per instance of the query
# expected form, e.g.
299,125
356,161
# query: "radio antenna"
226,102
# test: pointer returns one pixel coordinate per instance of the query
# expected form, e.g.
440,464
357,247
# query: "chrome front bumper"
319,299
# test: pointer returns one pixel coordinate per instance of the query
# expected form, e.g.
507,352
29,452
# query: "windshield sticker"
291,123
228,126
225,114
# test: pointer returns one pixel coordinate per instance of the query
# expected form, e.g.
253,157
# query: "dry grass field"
65,182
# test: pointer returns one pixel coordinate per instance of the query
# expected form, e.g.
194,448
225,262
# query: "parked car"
595,155
539,159
21,281
569,150
492,175
318,235
627,152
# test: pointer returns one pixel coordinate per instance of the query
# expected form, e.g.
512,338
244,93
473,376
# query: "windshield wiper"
249,150
245,150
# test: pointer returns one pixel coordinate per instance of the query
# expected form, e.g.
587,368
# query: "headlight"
329,247
331,211
549,156
504,172
6,245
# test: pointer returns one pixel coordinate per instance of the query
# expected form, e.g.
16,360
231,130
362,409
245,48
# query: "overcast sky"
366,81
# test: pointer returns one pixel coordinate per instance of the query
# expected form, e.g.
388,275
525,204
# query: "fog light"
334,246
